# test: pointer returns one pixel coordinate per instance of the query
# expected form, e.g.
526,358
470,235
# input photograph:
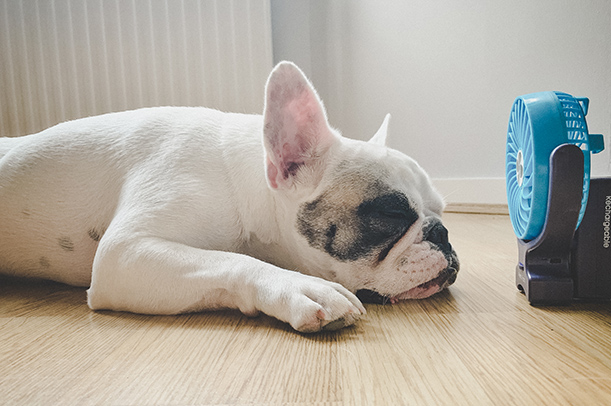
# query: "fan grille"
577,133
519,167
538,123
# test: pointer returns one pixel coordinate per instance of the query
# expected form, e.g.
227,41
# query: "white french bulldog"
174,209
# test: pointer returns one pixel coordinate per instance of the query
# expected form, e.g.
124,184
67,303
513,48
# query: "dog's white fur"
170,210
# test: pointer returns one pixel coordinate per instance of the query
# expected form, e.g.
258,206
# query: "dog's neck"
267,217
245,169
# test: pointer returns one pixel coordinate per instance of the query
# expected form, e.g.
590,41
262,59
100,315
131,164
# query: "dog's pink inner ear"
287,155
296,131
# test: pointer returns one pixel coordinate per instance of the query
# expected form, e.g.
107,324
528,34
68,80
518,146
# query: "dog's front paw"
311,304
327,307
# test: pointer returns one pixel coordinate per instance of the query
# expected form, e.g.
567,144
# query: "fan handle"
543,272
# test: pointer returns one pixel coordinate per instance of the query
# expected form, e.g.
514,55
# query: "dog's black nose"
436,233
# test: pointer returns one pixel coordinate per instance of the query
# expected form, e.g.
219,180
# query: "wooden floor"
478,343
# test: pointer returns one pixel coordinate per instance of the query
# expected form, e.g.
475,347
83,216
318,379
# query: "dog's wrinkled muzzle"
427,236
427,289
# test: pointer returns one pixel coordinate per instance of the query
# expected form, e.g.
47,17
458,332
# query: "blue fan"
558,212
538,123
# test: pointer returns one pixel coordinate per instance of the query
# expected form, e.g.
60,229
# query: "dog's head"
359,213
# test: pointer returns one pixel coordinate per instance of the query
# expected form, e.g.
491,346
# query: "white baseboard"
475,191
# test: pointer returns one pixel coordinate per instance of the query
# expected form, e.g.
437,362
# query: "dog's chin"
422,291
427,289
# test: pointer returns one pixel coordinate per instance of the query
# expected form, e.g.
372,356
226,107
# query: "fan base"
562,264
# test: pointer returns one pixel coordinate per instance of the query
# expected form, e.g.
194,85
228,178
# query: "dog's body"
170,210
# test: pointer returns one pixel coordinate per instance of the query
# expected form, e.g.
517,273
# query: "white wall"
448,71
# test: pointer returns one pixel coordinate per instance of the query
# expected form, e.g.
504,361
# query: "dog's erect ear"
380,137
296,133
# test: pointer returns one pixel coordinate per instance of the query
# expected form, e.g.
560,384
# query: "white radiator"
66,59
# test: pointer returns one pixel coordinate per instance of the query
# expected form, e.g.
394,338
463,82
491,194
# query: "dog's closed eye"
391,207
397,214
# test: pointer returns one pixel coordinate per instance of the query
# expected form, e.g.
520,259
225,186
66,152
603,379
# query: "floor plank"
480,342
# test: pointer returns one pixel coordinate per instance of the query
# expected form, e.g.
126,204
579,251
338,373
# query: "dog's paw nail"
335,325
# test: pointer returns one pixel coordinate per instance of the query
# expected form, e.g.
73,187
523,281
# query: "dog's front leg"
155,276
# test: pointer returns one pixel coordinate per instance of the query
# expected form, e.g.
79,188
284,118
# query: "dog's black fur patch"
351,233
66,243
94,234
370,296
44,263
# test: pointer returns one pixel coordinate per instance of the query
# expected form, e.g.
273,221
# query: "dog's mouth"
422,291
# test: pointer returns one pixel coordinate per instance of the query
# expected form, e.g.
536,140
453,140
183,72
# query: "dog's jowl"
174,209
